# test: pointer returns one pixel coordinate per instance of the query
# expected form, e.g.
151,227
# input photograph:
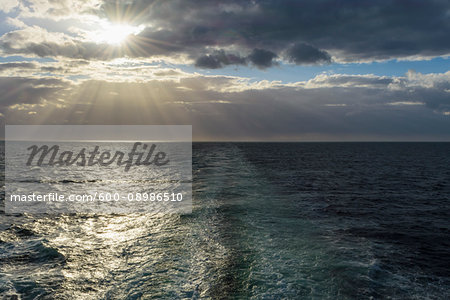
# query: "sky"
262,70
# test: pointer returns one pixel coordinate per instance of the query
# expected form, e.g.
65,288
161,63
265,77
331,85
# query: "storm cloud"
307,31
219,59
306,54
215,34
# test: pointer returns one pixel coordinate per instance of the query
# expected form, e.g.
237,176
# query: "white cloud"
57,10
8,5
397,103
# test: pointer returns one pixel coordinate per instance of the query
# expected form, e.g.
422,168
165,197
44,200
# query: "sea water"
269,221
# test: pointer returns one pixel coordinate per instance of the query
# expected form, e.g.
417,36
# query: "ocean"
269,221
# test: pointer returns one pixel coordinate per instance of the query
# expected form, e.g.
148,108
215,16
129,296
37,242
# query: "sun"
115,34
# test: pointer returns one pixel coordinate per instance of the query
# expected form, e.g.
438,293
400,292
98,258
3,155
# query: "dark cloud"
352,30
219,59
262,58
16,65
306,54
208,62
53,69
435,98
19,90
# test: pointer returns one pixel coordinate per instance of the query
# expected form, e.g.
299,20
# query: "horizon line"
249,141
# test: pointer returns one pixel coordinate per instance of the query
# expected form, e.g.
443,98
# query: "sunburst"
115,34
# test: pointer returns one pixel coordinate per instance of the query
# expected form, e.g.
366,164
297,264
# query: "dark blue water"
270,221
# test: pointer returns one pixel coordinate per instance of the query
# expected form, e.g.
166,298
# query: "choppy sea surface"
269,221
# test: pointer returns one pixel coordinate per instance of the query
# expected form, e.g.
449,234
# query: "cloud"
219,59
16,65
8,5
336,105
19,91
262,58
306,54
135,83
229,108
340,80
405,103
38,41
385,30
215,34
56,10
